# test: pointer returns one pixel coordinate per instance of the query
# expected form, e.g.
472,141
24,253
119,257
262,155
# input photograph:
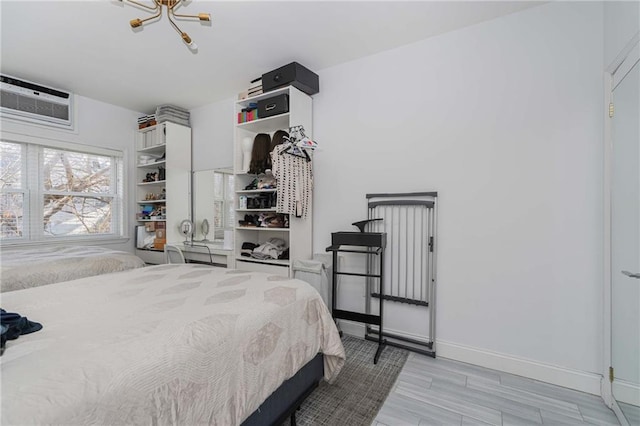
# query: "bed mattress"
32,267
170,344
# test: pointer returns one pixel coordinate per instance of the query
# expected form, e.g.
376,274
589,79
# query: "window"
12,185
223,202
50,192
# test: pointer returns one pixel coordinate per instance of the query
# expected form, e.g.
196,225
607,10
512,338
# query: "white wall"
504,120
621,23
102,125
212,135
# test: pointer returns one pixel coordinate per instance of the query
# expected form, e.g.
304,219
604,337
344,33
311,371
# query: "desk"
211,253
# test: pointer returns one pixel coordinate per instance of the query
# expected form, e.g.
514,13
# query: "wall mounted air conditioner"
28,101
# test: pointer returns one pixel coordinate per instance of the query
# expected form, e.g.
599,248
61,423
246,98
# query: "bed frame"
285,400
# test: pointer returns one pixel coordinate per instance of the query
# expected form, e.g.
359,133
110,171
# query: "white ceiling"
88,47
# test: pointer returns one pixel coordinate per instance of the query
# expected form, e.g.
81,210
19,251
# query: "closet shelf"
255,191
151,165
150,249
155,182
273,209
245,102
260,228
167,146
154,148
280,262
298,236
280,121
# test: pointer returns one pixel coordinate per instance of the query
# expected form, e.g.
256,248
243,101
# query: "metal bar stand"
410,222
370,244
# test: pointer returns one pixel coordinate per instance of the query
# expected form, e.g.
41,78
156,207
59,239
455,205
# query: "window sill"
88,241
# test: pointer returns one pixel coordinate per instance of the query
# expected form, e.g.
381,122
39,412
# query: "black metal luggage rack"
369,243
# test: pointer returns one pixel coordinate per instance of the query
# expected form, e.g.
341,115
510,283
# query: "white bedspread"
170,344
32,267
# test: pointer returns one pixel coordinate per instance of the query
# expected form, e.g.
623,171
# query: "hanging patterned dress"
295,182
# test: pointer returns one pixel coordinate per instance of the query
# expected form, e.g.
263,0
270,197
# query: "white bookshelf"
298,235
169,146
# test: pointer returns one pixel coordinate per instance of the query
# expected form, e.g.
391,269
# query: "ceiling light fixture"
170,5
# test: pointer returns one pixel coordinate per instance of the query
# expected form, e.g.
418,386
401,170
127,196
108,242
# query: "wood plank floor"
443,392
631,412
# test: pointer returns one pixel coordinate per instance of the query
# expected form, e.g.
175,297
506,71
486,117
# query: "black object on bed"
285,400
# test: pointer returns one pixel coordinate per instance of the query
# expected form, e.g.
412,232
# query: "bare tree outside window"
13,191
78,193
70,193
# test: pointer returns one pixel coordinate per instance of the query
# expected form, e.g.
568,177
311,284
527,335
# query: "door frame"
613,74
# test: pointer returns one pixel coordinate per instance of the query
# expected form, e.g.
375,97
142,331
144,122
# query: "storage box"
273,106
158,243
150,226
294,75
144,238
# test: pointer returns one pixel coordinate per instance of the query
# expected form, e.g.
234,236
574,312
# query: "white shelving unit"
298,235
170,145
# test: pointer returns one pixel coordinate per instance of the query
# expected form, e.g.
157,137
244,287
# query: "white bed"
171,344
33,267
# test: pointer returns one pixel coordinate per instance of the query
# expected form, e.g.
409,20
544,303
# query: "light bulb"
190,44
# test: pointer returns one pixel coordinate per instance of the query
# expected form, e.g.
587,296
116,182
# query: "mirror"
205,230
186,229
213,208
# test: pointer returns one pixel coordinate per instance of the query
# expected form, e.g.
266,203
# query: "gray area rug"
360,389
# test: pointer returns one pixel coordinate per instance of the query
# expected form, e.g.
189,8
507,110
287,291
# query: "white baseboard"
628,392
561,376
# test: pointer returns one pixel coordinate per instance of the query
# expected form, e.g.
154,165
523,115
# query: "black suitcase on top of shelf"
274,105
292,74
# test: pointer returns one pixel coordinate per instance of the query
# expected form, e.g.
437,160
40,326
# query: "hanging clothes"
295,182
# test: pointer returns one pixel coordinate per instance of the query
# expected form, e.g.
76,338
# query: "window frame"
227,201
24,190
33,186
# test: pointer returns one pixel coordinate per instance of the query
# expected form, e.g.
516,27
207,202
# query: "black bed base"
285,400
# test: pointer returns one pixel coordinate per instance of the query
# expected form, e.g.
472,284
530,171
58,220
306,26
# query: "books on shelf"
149,139
246,116
255,82
255,88
249,113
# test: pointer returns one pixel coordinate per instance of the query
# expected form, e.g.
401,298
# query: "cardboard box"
150,226
158,243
